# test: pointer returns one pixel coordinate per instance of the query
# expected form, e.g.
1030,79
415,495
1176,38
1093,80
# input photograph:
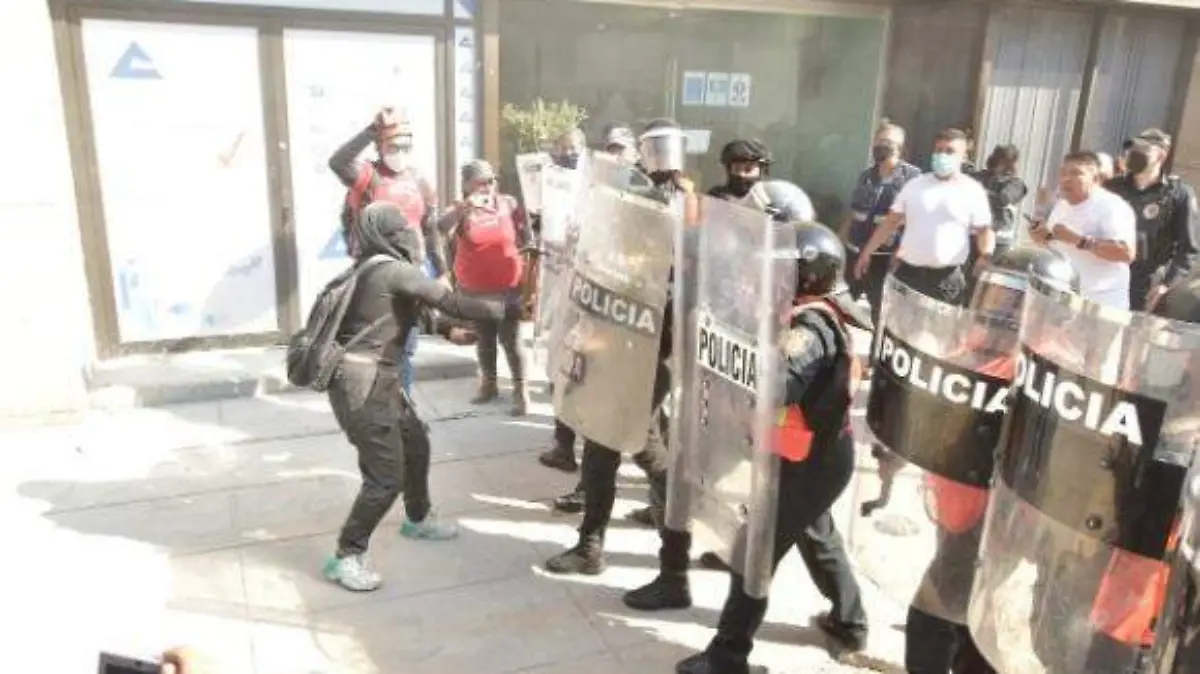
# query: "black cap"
749,150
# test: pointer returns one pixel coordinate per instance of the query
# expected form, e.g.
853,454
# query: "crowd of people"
1120,233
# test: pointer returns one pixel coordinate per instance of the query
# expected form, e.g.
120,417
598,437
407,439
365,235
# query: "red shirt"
404,191
486,257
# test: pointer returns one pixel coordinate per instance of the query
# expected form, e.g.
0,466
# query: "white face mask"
396,161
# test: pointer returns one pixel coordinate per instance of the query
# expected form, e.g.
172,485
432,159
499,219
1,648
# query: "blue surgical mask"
945,165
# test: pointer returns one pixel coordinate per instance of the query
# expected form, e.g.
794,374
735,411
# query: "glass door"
177,121
336,82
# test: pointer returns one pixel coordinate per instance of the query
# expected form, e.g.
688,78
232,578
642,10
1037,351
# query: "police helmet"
662,147
1000,293
751,150
784,201
820,259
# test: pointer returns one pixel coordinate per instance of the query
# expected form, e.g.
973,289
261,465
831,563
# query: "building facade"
166,187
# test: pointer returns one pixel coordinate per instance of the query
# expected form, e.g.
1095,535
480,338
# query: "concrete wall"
45,327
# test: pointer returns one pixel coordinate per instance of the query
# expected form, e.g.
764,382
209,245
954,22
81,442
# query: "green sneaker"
429,529
352,573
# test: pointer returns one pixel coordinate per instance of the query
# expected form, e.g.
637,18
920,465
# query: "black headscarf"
383,230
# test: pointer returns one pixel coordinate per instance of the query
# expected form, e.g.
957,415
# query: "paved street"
207,524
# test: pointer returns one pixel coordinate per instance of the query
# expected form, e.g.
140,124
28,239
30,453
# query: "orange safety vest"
1131,595
793,436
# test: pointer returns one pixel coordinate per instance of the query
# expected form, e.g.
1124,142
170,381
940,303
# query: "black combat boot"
650,516
586,558
703,663
562,455
572,502
711,561
670,590
560,458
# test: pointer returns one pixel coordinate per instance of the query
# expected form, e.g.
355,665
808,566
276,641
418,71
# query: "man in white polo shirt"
939,211
1094,228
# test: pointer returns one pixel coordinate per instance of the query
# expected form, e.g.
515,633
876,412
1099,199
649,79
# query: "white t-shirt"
1103,215
938,218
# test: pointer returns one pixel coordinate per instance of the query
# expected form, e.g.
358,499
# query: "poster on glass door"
336,83
177,120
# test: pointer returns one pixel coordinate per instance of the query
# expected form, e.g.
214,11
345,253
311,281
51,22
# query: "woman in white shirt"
1094,228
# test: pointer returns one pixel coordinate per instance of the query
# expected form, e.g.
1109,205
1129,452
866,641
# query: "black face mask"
740,186
1137,161
567,161
882,152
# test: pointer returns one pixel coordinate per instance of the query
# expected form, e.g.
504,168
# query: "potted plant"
535,128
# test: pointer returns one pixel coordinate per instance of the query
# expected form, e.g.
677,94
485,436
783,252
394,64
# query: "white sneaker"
352,573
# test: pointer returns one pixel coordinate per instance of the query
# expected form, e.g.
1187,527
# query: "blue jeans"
410,347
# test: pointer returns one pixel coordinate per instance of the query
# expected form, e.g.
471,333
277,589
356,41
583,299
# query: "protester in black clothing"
371,408
1005,191
1168,242
819,383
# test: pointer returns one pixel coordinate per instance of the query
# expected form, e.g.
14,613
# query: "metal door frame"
67,18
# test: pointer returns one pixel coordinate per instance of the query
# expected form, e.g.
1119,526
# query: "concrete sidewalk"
207,524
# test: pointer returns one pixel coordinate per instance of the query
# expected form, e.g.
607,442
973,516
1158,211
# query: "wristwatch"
1085,243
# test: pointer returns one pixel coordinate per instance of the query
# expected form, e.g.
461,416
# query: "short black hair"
950,135
1086,157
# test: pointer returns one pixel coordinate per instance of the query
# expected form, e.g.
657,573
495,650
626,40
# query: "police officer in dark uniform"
1167,239
746,162
821,546
659,177
870,203
820,366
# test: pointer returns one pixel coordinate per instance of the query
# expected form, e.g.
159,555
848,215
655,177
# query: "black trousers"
871,284
936,646
824,554
507,335
598,471
946,284
598,479
392,443
564,436
807,491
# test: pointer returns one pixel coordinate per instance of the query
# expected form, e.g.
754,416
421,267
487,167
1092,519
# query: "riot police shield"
529,173
608,328
562,203
939,381
725,478
1177,632
683,362
1084,507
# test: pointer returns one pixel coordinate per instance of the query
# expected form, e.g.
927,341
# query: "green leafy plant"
535,127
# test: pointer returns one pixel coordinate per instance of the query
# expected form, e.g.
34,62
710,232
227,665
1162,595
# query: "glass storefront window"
805,84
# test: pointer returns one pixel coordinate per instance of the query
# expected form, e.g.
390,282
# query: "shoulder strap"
369,263
834,317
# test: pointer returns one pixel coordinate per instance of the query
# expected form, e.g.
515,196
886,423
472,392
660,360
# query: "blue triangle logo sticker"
335,249
135,64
